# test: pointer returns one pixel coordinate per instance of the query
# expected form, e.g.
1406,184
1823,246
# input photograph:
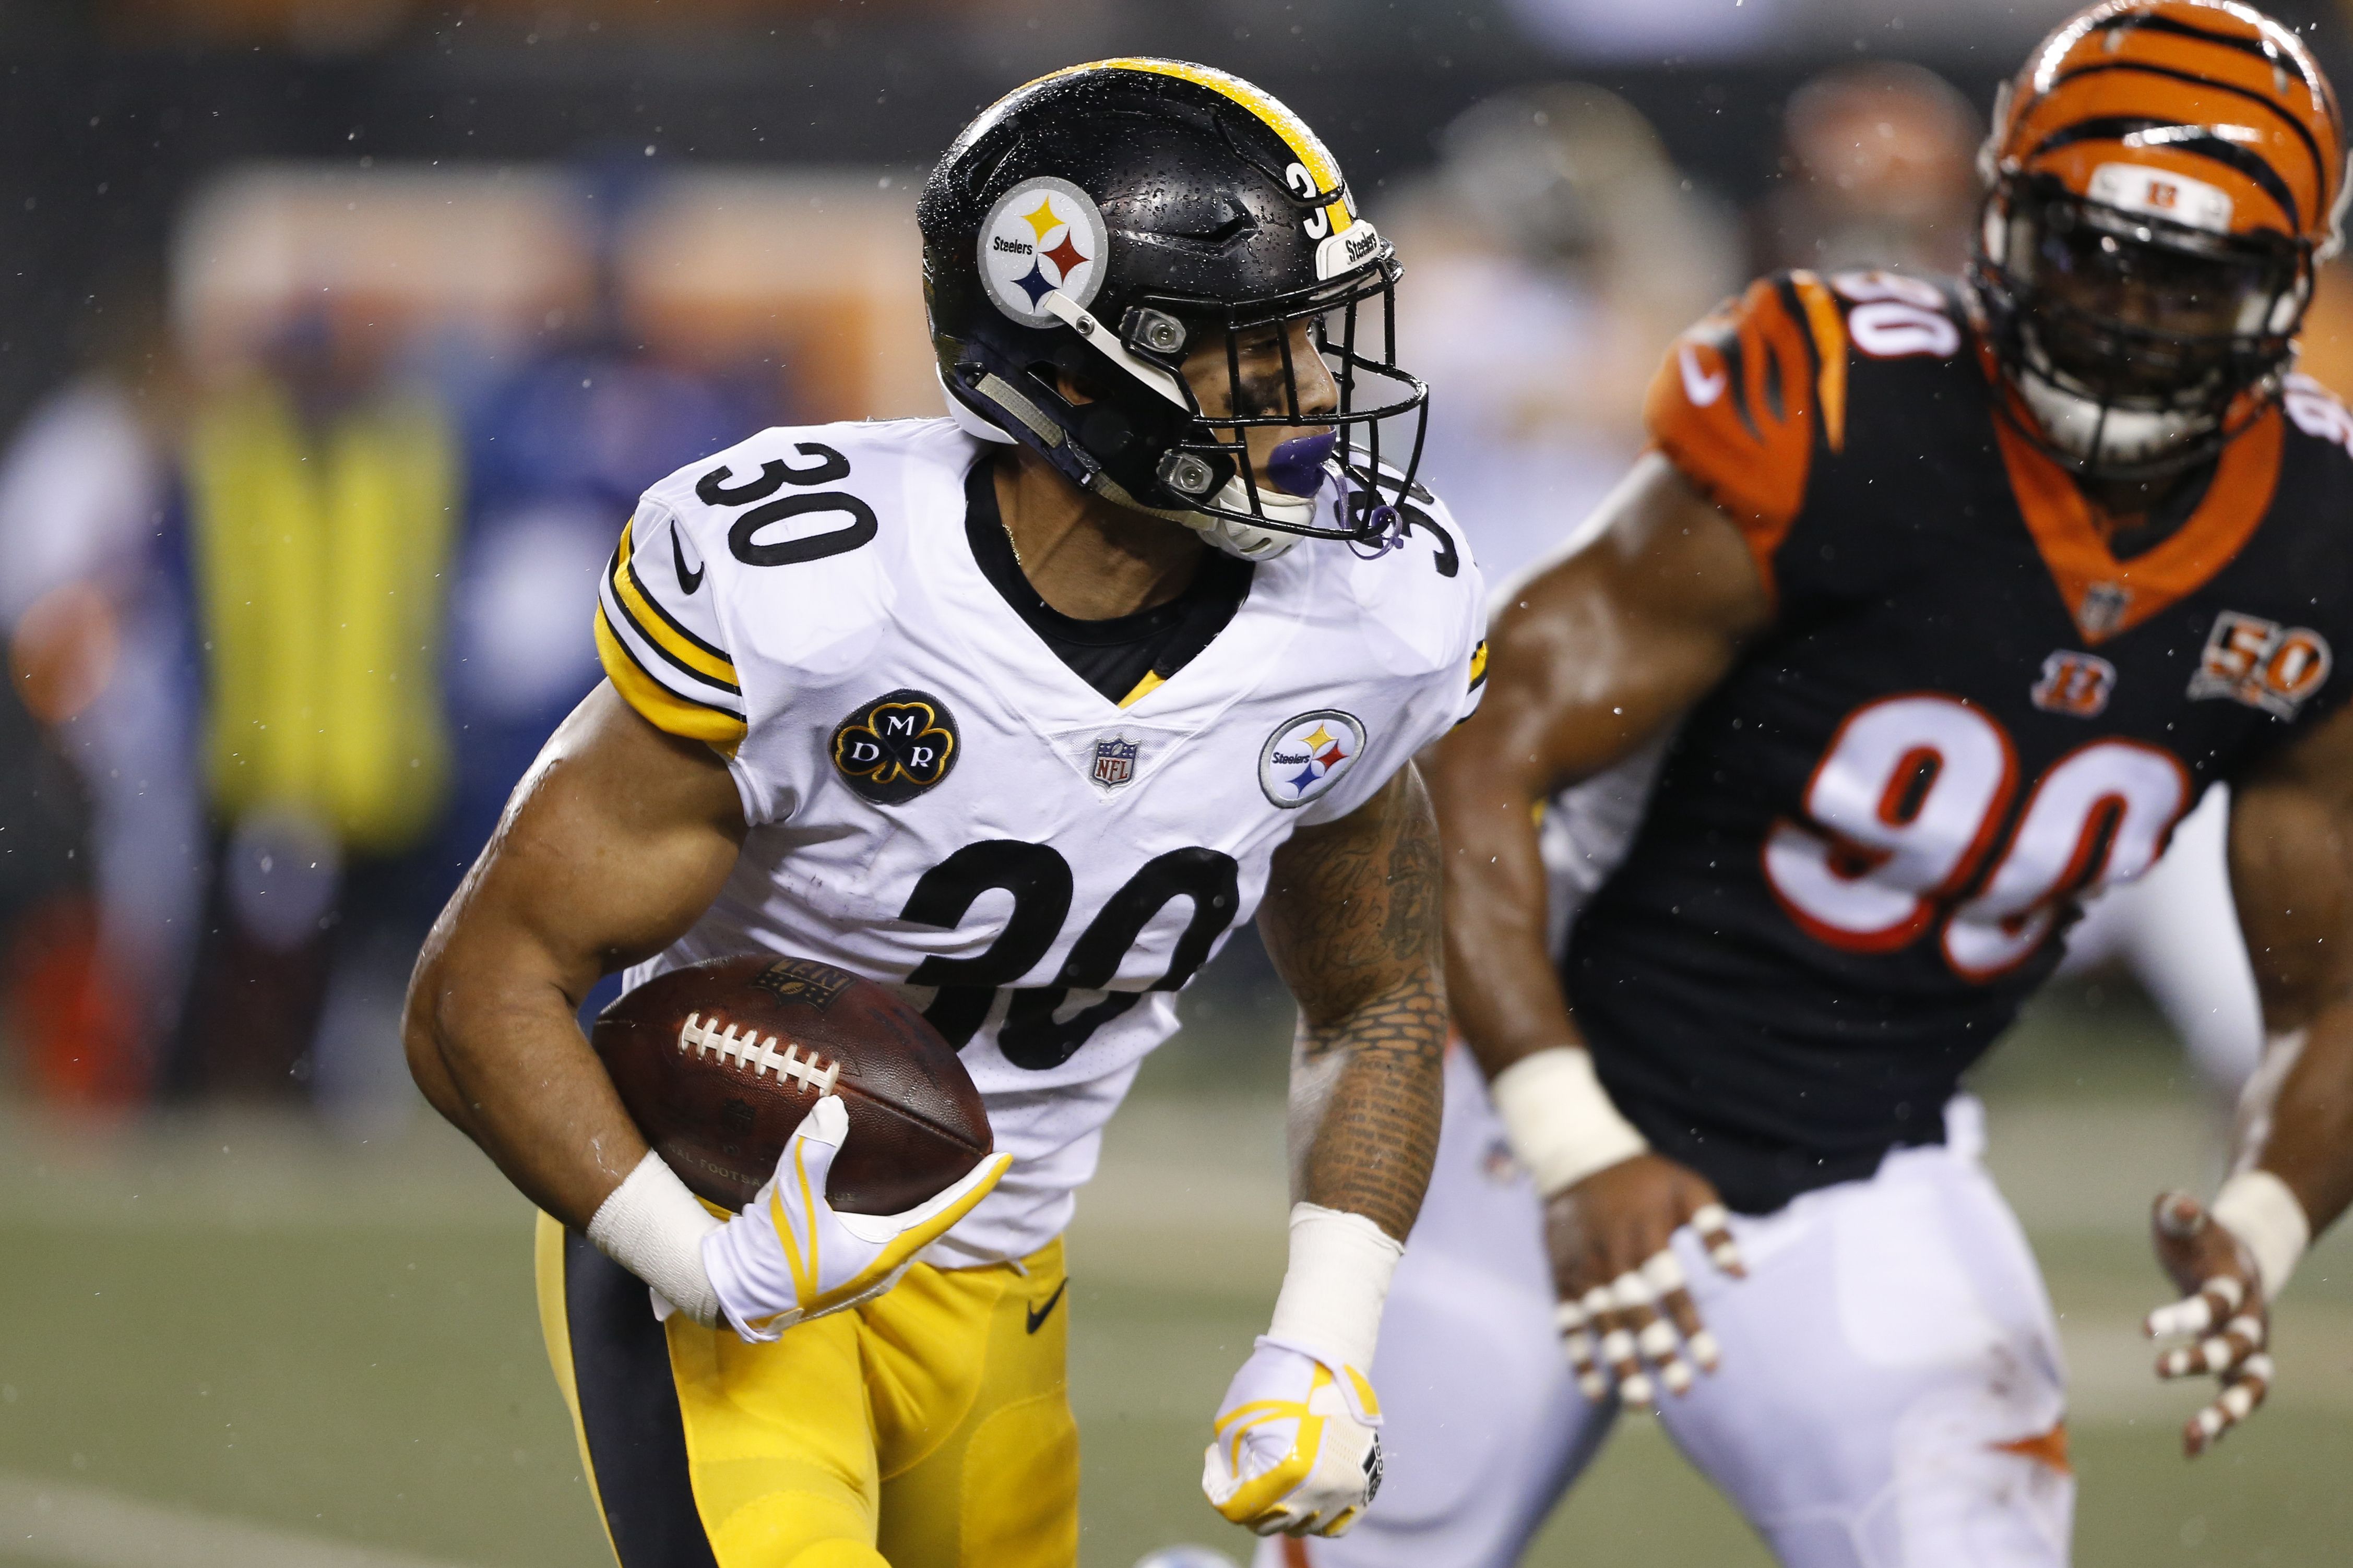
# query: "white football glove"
790,1256
1298,1447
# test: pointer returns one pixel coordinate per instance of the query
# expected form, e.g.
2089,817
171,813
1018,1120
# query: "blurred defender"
1939,607
1024,709
1554,232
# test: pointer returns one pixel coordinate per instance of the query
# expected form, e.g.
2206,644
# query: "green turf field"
248,1323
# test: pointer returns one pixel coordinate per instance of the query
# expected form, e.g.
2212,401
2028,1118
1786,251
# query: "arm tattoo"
1353,923
1377,1138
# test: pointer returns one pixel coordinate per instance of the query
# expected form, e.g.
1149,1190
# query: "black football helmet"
1100,226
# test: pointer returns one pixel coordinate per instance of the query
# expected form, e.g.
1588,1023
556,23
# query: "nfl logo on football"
1114,762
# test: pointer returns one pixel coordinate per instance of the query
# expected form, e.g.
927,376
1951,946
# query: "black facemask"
2133,315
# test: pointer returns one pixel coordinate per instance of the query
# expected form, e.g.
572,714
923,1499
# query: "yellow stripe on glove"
790,1255
1298,1450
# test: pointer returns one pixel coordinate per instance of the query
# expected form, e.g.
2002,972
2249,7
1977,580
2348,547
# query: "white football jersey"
936,801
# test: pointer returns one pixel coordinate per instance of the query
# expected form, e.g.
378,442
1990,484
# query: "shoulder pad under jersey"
1422,598
671,617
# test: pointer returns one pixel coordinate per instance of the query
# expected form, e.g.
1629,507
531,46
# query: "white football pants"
1890,1380
2177,931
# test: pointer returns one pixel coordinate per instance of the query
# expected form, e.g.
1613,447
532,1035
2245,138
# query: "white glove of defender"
790,1256
1298,1447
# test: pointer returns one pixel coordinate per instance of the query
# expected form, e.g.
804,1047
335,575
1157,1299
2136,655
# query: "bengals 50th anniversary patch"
896,747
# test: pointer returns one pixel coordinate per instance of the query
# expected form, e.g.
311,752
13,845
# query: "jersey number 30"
1904,811
1039,880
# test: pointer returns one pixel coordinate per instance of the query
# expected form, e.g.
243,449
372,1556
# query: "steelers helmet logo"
1042,235
1307,756
896,747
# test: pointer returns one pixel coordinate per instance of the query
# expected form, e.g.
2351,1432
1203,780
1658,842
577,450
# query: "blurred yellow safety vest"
321,569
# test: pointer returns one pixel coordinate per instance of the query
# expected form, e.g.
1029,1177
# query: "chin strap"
970,420
2099,437
1248,541
1239,539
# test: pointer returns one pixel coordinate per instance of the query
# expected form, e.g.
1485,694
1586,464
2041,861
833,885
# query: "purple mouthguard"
1297,465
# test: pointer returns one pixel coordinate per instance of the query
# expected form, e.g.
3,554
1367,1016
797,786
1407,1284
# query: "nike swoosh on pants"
1038,1315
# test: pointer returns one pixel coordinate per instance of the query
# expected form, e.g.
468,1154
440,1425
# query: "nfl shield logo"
2104,609
1114,762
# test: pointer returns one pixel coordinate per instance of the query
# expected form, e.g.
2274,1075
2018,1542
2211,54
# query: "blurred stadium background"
336,339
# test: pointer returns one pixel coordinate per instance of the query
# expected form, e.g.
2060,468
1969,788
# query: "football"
719,1061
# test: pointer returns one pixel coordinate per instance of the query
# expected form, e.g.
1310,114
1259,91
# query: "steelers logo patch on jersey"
1307,756
1044,235
896,747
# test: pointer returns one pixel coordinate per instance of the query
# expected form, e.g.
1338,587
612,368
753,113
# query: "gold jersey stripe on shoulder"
656,625
1829,349
1479,662
1277,115
659,706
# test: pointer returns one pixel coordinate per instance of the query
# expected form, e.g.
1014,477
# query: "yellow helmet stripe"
1277,116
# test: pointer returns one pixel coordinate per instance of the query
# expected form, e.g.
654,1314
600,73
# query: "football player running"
1937,606
1023,710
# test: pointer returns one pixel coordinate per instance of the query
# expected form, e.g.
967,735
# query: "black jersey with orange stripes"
1863,844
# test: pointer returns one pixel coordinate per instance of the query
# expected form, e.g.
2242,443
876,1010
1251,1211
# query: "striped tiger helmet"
2163,176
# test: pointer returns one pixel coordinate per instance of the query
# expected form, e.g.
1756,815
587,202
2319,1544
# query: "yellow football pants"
928,1428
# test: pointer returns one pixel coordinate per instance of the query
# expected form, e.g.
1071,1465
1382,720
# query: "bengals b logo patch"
2076,684
896,747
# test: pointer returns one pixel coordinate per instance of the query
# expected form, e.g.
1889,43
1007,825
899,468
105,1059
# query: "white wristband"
2258,1209
1559,1119
1332,1293
652,1227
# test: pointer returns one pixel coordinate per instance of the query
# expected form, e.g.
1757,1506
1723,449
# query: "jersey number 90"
1904,810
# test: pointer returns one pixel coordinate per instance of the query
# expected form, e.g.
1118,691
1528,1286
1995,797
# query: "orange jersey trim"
2108,596
2045,1447
1735,405
1829,349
